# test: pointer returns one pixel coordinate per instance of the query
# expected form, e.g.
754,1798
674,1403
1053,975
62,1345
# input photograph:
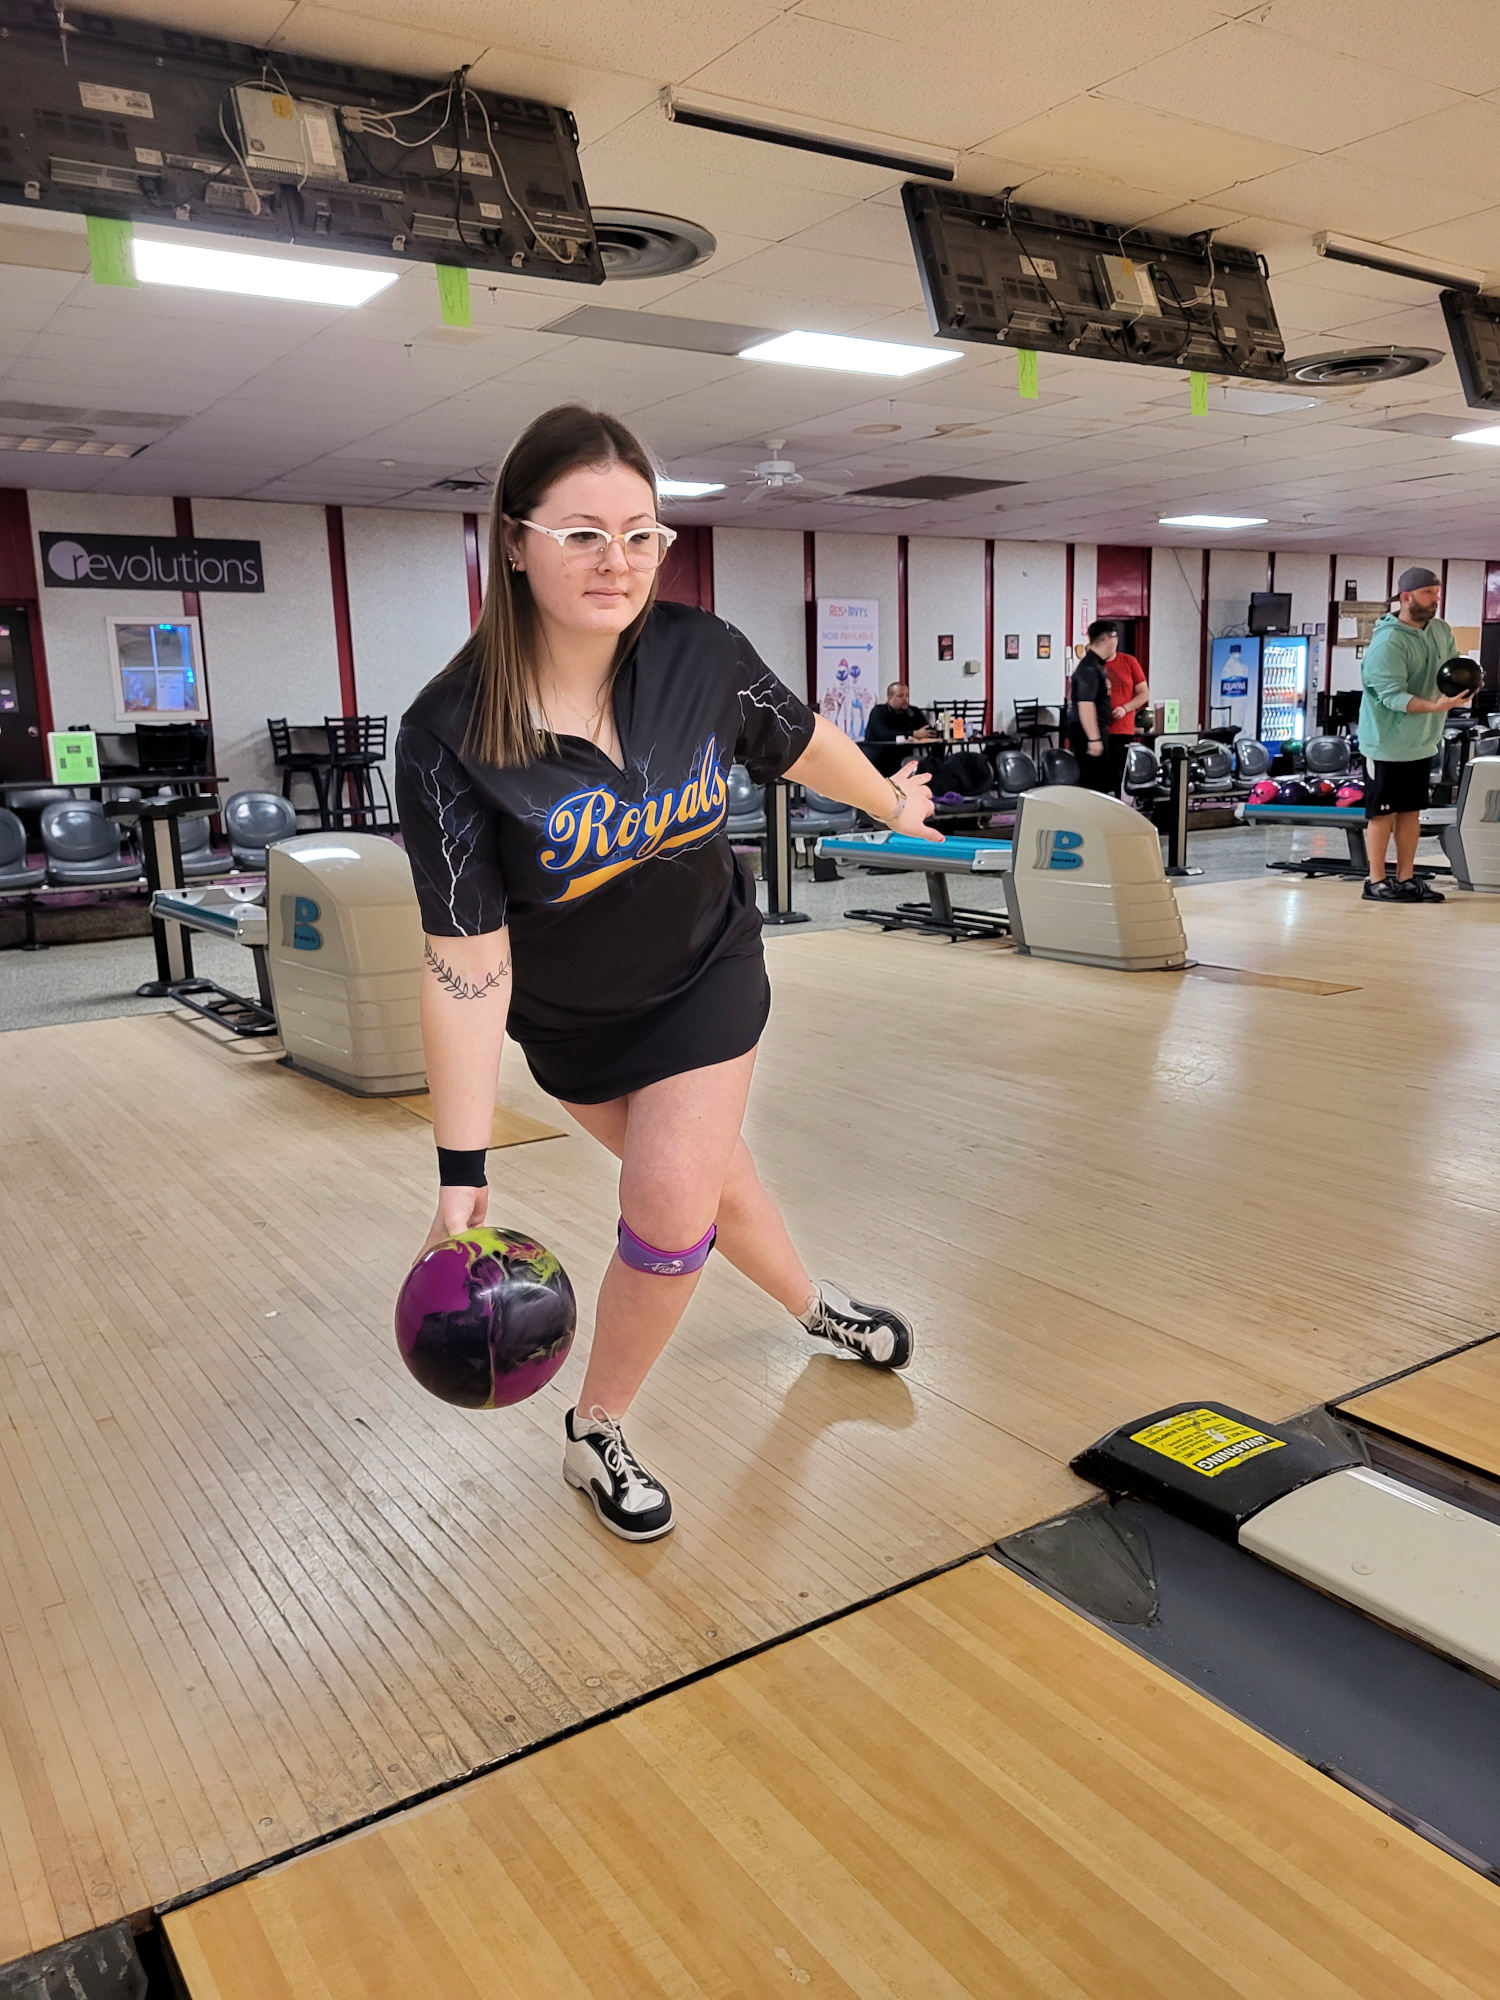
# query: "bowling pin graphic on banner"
848,661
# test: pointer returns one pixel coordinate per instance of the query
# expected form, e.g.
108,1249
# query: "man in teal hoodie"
1400,727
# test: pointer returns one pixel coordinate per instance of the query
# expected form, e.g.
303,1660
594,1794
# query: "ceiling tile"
804,65
1274,87
1457,42
1327,193
1148,148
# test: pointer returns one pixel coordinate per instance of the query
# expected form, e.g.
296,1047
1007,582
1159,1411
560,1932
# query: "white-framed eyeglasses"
584,548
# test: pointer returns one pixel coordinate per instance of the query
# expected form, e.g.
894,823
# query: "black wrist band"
459,1167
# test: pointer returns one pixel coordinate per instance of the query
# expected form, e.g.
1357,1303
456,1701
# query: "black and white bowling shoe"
873,1334
629,1500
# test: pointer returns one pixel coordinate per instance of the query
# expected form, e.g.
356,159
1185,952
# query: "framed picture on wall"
1044,645
1012,645
158,674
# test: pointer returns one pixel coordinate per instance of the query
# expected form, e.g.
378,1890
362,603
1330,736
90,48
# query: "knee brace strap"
643,1256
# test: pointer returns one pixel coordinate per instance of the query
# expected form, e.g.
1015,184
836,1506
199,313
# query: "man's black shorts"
1398,788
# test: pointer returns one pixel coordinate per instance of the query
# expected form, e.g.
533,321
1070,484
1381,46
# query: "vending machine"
1283,689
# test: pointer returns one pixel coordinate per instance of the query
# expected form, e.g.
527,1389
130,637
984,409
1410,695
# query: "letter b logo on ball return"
1057,847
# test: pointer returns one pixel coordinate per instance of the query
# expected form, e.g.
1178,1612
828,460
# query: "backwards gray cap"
1415,579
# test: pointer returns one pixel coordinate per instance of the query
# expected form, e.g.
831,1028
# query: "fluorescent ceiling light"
1398,263
807,135
688,489
854,357
256,277
1488,434
1211,521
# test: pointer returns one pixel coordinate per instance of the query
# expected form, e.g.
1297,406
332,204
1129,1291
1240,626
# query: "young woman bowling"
562,792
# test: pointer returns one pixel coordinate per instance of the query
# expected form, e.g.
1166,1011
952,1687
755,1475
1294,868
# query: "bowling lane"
999,1798
1450,1406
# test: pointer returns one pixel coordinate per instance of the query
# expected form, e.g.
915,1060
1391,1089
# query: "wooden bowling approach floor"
255,1587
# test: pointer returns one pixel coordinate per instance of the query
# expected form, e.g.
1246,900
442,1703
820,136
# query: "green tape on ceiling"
1026,372
109,251
1198,394
453,291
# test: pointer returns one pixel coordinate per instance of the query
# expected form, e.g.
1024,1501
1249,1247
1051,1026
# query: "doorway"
21,747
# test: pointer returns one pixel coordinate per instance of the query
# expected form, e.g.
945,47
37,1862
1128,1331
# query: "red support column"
989,636
1203,643
18,580
338,576
471,564
1068,624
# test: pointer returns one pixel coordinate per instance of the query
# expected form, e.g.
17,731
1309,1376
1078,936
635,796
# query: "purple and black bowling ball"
1293,792
485,1319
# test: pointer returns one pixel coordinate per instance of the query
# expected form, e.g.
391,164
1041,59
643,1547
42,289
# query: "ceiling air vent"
634,243
930,486
459,486
1349,367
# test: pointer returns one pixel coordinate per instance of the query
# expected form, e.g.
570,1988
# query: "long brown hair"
502,650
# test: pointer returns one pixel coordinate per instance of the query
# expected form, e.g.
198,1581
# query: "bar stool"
314,765
356,752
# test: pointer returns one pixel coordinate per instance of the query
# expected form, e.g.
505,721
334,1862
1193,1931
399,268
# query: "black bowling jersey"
619,885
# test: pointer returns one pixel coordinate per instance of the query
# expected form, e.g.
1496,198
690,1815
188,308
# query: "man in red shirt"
1128,692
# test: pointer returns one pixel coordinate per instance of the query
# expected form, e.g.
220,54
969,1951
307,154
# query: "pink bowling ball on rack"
1352,792
1263,792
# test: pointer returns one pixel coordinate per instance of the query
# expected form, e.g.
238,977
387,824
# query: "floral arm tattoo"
455,984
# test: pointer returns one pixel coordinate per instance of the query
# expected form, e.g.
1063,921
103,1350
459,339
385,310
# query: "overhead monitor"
105,115
1474,329
1000,272
158,670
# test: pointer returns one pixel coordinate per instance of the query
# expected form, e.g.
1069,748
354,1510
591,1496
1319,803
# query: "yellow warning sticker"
1205,1442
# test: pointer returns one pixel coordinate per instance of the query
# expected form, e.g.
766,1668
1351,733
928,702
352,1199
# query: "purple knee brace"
643,1256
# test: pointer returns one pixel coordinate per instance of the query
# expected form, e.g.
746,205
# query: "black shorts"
721,1015
1398,788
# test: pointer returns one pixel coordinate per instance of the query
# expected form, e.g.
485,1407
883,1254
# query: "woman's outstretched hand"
458,1208
916,787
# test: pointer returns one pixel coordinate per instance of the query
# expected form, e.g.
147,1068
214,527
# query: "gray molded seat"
83,847
1015,773
819,815
1326,756
14,872
1213,768
254,821
29,803
1059,767
747,806
1252,760
1142,779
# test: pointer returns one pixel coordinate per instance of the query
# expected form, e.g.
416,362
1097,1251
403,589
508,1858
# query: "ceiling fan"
775,474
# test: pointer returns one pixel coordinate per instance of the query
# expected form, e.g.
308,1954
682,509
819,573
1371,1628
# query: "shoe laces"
617,1455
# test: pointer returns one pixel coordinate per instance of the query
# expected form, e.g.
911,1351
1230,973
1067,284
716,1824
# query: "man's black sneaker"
629,1500
874,1334
1420,890
1389,891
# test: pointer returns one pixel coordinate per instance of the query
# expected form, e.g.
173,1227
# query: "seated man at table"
895,717
891,719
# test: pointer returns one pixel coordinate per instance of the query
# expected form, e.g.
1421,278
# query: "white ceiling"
1267,123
